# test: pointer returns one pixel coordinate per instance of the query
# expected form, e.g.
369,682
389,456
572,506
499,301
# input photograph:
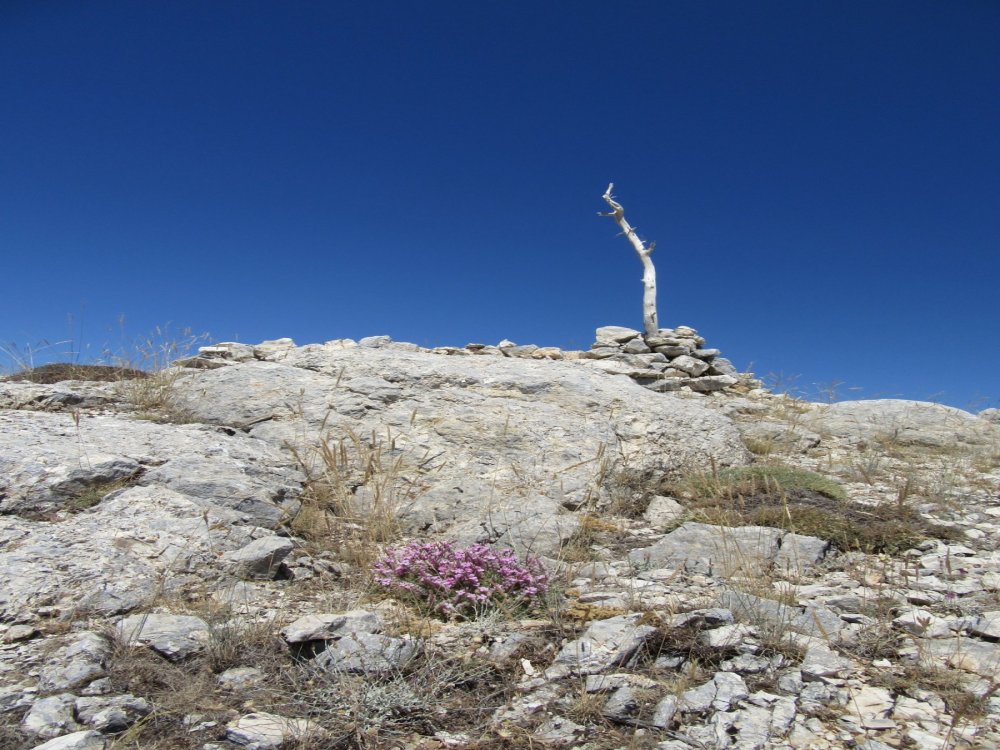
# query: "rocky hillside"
215,557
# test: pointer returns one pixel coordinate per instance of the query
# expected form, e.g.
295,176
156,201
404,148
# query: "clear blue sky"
822,178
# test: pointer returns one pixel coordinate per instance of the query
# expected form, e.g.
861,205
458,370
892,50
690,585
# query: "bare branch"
649,272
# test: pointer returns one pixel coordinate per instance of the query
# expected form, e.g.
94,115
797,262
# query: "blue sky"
822,178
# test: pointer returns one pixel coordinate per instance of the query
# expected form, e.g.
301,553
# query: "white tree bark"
649,322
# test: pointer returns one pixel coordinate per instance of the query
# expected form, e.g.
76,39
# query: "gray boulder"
49,462
465,431
990,415
917,423
703,548
114,557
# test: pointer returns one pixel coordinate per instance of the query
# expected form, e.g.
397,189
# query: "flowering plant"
459,581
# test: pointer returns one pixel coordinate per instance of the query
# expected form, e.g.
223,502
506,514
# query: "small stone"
240,678
322,627
85,740
730,688
987,625
722,366
728,636
663,512
173,636
526,350
374,342
604,644
799,552
621,705
264,731
615,334
368,653
51,716
711,383
76,664
821,661
259,558
923,623
597,683
559,732
790,682
991,581
636,346
672,350
17,633
663,714
111,714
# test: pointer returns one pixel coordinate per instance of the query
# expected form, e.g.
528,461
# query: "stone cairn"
675,358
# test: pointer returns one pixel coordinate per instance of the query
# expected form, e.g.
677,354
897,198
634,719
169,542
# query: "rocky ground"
187,558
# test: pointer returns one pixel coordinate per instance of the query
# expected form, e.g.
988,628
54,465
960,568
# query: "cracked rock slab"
604,644
173,636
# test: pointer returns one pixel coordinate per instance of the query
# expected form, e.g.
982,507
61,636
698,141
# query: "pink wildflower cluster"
459,580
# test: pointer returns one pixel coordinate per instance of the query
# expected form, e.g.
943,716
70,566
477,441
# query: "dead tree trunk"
649,322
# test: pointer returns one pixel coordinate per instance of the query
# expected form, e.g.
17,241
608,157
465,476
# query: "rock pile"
673,359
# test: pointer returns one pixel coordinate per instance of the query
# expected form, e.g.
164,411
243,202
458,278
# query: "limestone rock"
76,664
264,731
604,644
114,557
559,732
821,661
663,512
692,366
615,334
990,415
322,627
259,558
987,625
923,623
902,422
111,714
172,636
710,383
47,462
368,653
85,740
799,552
240,678
51,716
722,366
468,428
56,396
703,548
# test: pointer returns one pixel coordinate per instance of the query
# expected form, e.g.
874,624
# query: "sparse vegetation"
355,490
805,503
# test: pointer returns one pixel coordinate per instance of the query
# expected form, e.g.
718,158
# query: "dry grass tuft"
355,490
